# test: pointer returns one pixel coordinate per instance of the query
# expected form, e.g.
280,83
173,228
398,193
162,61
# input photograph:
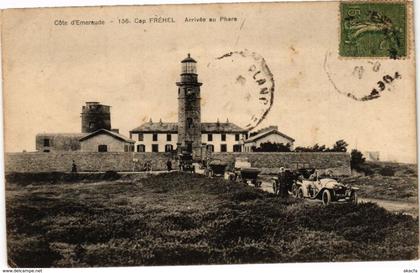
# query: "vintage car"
216,168
325,189
243,172
186,162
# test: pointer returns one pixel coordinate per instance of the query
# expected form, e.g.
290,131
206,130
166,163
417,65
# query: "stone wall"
339,163
85,161
58,142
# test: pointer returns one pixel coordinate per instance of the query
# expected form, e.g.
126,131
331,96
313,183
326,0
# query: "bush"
31,252
387,171
356,160
272,147
179,218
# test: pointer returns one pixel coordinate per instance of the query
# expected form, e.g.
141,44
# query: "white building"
189,133
163,137
104,140
270,134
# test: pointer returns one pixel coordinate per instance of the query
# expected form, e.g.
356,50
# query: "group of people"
286,178
284,182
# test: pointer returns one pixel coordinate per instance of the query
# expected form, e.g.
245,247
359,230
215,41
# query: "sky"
51,70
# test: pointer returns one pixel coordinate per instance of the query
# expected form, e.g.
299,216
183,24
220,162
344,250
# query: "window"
237,148
125,148
223,148
210,147
141,148
141,137
155,136
155,148
223,136
46,151
168,137
237,137
210,137
169,148
190,123
46,142
91,125
102,148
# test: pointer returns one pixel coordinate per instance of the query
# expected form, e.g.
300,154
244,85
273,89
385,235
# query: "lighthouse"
189,108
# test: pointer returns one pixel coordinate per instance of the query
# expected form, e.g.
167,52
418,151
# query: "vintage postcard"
202,134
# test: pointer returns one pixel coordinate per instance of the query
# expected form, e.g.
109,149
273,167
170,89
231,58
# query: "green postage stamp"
373,29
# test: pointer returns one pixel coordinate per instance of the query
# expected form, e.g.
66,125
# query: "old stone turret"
95,116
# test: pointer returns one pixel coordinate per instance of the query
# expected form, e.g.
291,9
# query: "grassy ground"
389,181
188,219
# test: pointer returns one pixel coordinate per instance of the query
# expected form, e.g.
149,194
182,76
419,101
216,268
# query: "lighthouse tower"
189,109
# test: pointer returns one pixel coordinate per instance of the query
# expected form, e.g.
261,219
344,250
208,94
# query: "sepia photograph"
210,134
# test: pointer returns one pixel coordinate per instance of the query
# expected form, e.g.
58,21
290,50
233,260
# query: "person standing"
169,165
282,183
73,167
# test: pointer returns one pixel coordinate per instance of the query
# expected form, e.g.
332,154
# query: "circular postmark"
242,87
361,80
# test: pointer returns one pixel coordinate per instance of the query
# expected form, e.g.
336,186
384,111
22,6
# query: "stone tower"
95,116
189,109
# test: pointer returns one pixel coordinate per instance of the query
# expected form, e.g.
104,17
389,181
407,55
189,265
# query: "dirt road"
393,206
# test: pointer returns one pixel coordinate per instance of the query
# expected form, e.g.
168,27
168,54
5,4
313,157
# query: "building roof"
104,131
221,127
63,135
266,133
156,127
188,59
172,127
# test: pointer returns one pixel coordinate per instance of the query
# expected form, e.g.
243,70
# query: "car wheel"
354,198
326,197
